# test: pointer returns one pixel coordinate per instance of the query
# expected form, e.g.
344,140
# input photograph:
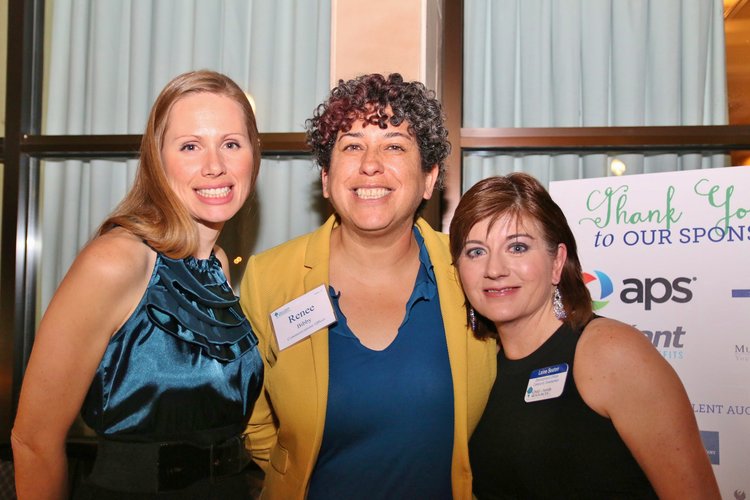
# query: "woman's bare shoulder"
117,256
604,335
613,357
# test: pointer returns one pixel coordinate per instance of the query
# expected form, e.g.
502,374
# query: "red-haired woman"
582,407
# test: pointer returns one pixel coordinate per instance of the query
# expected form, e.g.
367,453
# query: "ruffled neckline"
191,299
200,265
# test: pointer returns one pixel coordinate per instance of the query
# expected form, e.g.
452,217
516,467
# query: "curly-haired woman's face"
375,180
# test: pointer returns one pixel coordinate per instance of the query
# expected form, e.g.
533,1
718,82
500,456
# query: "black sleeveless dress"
549,448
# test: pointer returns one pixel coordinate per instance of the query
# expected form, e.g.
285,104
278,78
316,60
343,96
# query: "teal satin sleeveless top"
183,366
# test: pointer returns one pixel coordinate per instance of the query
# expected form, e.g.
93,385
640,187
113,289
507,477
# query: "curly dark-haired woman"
382,401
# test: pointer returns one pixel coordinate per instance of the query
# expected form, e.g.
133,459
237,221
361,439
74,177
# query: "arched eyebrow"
396,133
474,242
519,235
350,134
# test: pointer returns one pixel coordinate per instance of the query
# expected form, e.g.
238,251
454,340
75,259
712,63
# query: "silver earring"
557,305
472,319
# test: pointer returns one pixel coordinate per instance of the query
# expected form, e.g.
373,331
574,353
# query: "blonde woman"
144,336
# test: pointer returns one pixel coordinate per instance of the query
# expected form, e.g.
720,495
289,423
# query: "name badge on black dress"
546,383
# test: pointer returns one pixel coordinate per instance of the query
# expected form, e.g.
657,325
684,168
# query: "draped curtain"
108,60
591,63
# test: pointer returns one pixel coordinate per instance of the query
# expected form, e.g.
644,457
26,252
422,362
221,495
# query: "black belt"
164,466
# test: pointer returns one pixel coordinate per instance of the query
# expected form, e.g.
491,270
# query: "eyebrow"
519,235
200,136
473,242
510,237
387,135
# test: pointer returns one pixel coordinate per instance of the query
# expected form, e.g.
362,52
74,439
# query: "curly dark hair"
366,98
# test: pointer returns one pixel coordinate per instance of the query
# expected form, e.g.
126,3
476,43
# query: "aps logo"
605,288
647,292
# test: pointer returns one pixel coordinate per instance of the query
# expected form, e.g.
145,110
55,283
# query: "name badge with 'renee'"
303,316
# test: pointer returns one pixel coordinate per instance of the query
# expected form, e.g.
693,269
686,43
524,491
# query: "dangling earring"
557,305
472,319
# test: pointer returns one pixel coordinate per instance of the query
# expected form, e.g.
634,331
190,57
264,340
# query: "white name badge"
546,383
302,317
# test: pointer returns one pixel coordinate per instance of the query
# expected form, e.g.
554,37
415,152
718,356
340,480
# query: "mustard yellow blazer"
286,427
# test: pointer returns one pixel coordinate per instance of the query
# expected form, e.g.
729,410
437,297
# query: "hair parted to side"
367,98
523,198
151,210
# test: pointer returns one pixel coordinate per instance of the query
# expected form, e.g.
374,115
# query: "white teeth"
214,192
372,193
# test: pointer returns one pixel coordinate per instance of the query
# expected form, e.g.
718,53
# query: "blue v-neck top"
389,420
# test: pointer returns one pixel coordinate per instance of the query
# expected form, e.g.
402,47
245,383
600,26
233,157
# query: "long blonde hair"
151,210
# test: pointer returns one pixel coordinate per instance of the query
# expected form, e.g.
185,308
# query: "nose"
372,163
213,166
496,267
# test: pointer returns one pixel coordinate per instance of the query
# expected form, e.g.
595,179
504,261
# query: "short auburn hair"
522,197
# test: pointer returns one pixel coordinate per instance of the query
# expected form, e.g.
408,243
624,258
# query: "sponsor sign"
668,254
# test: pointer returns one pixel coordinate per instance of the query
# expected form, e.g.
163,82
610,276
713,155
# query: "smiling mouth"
371,193
499,290
214,192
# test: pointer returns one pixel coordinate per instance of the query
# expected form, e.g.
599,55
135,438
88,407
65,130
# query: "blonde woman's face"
208,157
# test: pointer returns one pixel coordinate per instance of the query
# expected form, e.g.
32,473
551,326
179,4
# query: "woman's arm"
621,376
262,432
99,292
262,429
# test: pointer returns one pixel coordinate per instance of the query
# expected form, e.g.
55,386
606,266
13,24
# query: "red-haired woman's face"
507,271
